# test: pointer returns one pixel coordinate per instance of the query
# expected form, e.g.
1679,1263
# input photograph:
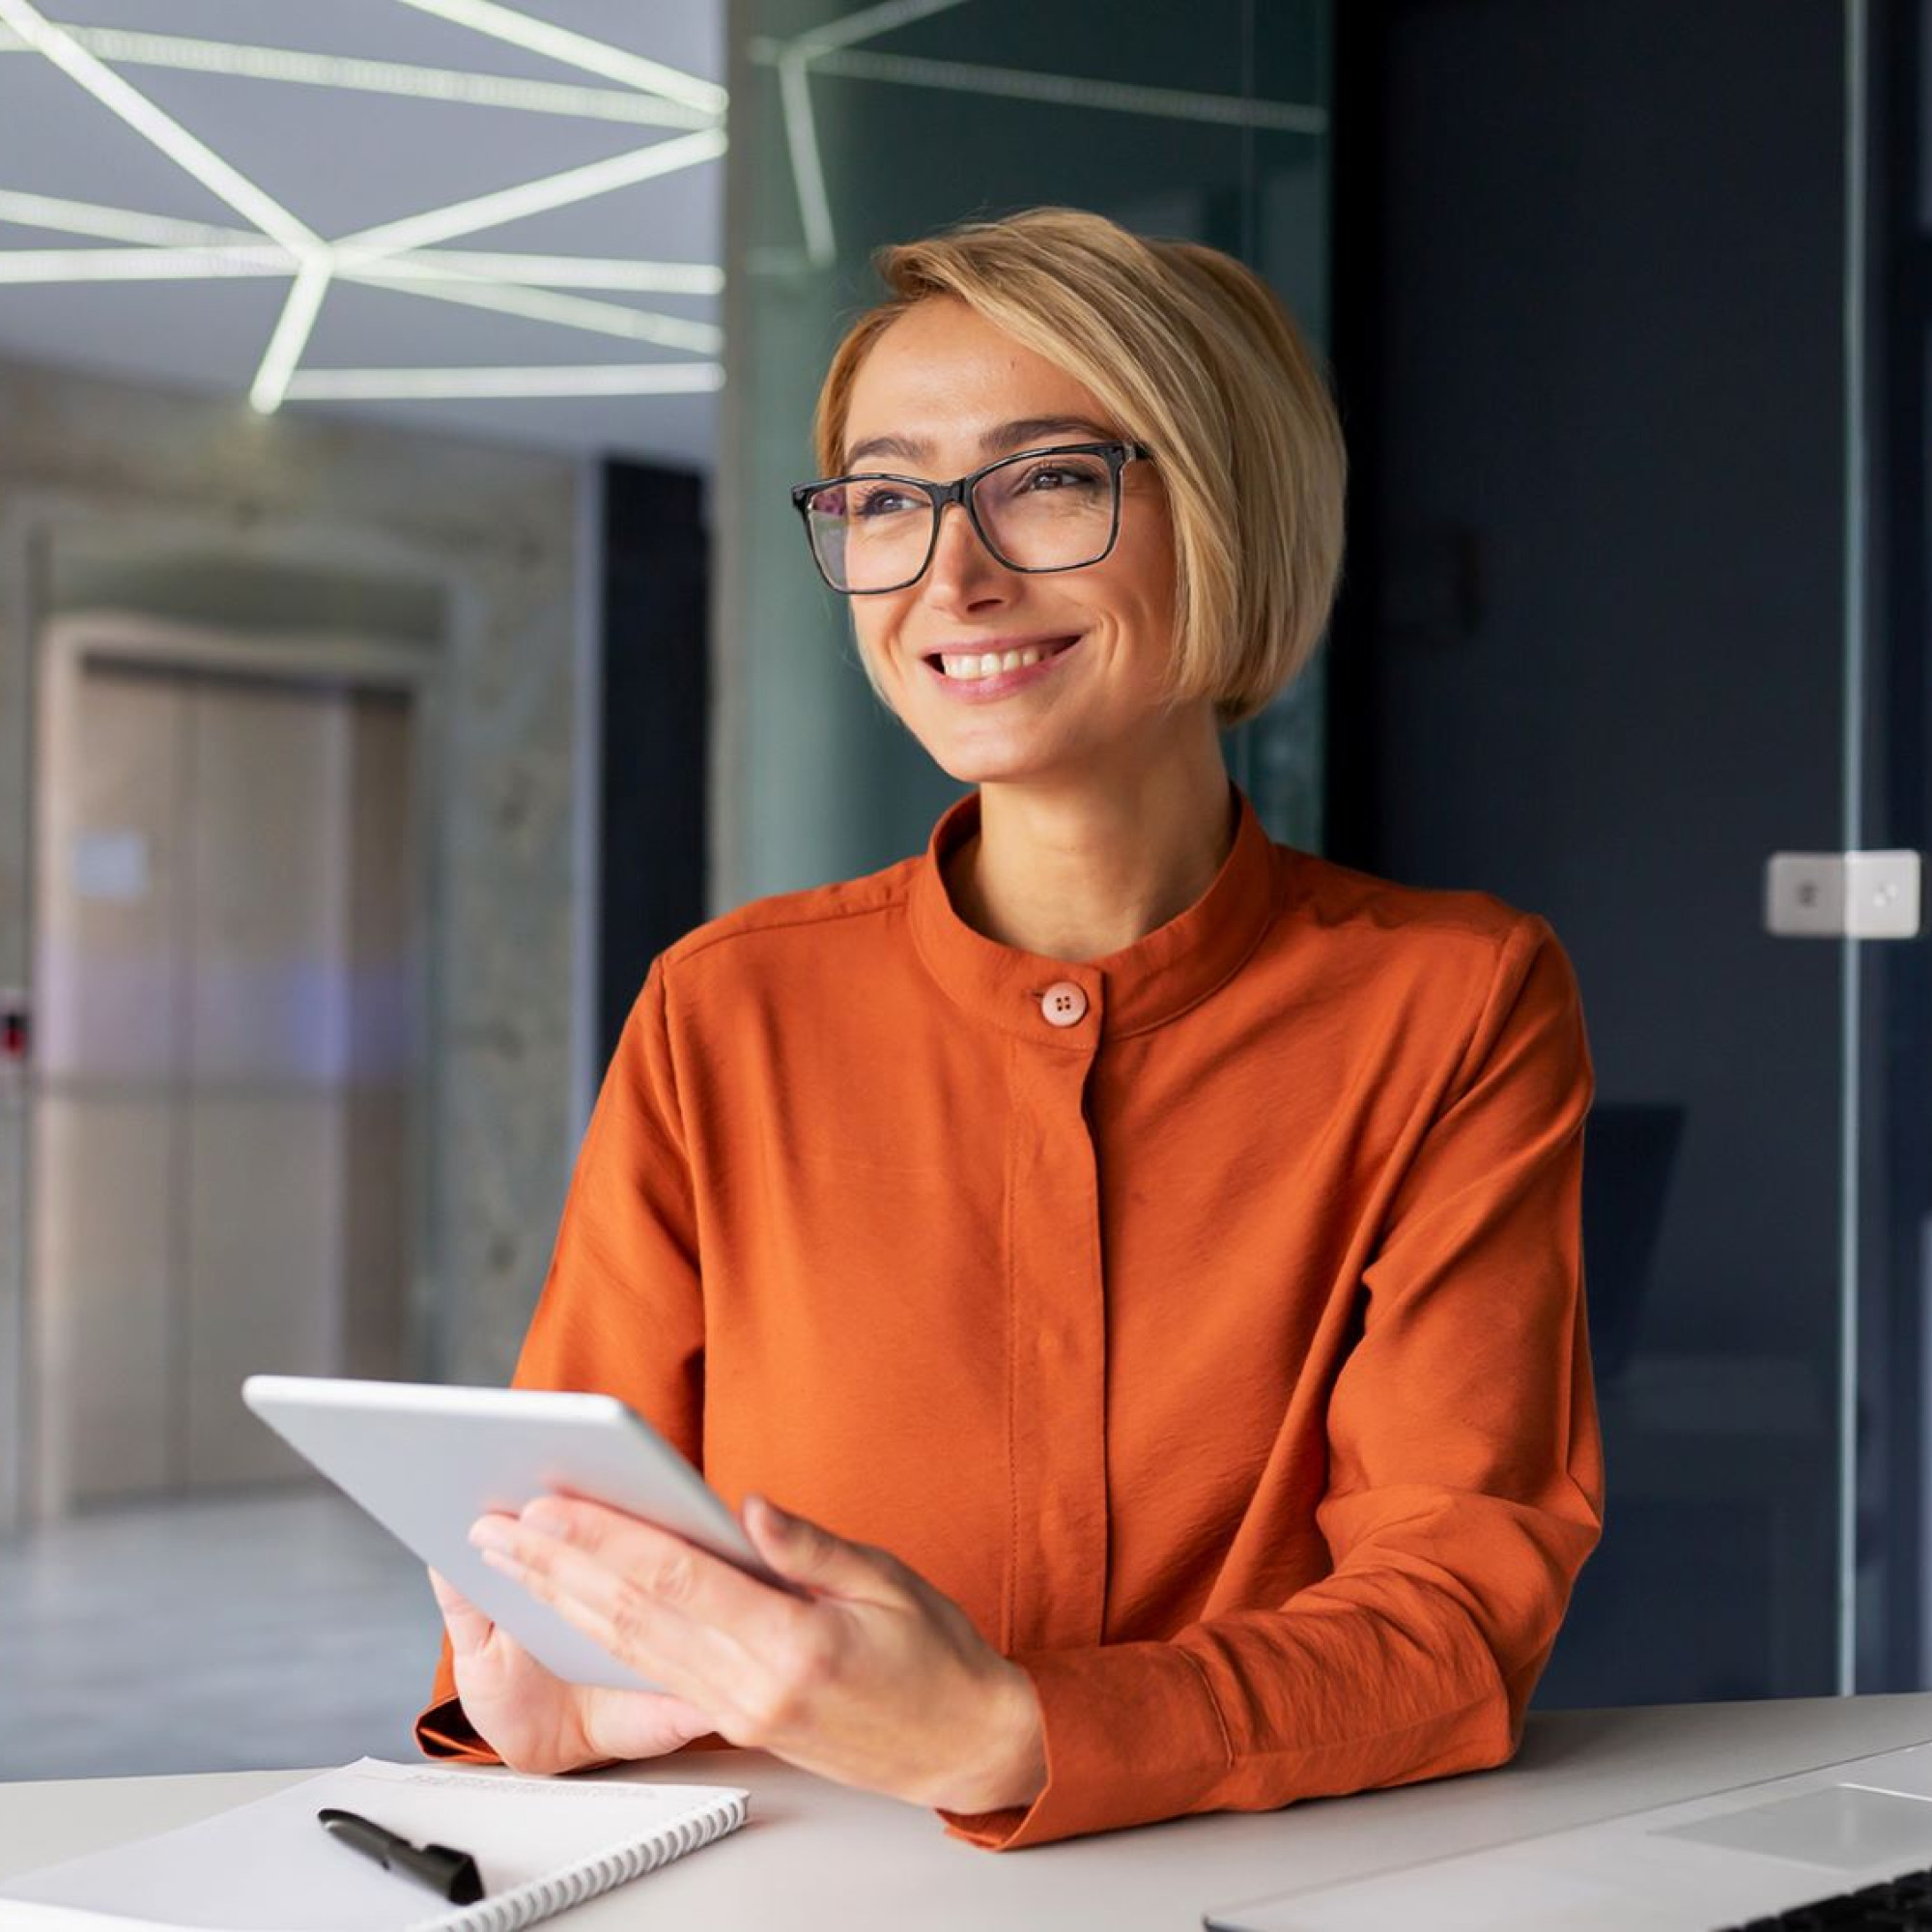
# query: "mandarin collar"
1142,985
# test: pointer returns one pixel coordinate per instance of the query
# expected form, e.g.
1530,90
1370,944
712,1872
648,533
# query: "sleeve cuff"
1132,1736
443,1731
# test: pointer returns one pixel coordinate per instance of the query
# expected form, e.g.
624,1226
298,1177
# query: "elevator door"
222,1113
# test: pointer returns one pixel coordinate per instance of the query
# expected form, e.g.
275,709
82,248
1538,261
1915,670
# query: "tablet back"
426,1460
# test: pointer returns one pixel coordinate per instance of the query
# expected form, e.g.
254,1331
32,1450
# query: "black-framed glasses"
1039,510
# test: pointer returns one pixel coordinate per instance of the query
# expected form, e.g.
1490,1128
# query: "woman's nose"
963,570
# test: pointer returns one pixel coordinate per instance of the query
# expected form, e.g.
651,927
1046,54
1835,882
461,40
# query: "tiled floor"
213,1635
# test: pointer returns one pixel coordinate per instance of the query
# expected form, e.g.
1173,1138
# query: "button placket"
1057,1307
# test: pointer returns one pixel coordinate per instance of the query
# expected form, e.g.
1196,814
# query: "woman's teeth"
987,664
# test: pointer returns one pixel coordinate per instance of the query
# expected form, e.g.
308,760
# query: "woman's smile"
978,670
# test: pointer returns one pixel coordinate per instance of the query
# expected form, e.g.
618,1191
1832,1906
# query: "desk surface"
816,1856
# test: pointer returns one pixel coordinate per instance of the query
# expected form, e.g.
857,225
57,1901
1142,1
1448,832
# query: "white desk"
816,1857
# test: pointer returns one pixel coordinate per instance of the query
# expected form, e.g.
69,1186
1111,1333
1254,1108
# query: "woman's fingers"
801,1552
641,1724
675,1612
470,1630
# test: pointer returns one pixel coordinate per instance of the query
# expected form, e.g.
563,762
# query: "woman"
1163,1243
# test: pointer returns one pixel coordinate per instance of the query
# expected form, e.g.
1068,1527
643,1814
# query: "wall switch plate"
1843,894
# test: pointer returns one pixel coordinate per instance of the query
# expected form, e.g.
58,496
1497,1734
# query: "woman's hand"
870,1675
537,1722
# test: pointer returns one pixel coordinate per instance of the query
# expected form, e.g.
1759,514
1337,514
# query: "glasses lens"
869,534
1048,512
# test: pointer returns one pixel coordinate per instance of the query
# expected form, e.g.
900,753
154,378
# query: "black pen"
450,1874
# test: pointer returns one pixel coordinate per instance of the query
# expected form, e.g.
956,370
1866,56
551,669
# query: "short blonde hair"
1195,357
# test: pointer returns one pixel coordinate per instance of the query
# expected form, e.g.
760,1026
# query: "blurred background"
404,635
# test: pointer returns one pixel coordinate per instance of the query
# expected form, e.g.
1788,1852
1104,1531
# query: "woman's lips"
998,666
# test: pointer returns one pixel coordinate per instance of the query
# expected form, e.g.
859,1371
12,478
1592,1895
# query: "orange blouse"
1220,1350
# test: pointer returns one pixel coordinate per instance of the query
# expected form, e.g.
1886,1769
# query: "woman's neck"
1078,872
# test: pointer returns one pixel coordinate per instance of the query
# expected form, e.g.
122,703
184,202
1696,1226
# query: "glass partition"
855,128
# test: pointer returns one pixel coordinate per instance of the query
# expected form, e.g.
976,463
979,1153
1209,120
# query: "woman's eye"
880,502
1063,476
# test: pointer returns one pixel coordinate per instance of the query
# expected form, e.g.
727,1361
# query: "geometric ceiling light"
395,254
197,158
153,125
403,256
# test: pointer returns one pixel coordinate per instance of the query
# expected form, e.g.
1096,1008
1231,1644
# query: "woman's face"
941,393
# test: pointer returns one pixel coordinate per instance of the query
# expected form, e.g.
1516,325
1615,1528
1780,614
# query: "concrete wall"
113,488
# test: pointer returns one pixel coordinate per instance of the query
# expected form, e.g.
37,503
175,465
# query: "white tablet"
426,1460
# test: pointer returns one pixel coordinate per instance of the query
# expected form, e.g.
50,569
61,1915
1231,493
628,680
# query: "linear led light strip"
560,44
355,74
1068,91
563,271
117,225
668,331
408,275
537,197
189,252
807,171
196,158
867,24
620,378
141,264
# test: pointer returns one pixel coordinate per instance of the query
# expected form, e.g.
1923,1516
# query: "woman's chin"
1016,751
980,766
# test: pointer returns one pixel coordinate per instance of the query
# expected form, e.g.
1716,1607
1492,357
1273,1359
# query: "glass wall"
855,128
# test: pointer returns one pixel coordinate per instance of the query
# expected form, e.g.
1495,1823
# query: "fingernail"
486,1535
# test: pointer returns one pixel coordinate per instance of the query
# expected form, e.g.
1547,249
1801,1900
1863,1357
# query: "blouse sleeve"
1465,1488
621,1310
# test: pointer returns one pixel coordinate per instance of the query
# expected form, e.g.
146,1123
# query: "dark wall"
1590,657
656,717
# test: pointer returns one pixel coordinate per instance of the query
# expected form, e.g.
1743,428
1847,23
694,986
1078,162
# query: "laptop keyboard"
1903,1904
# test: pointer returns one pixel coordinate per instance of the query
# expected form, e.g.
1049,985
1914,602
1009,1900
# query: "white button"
1063,1004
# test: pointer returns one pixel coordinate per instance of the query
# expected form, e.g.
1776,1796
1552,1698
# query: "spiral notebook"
542,1845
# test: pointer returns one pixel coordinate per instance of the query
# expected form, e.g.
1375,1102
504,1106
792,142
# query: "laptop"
1739,1857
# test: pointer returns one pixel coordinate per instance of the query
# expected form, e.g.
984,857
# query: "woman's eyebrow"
1038,428
994,442
907,448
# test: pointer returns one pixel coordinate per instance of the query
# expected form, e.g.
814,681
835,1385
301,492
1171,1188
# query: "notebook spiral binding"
542,1898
